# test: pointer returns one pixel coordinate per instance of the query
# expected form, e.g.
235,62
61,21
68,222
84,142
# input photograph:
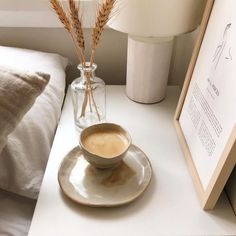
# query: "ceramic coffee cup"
104,145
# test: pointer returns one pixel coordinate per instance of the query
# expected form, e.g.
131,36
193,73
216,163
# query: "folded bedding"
26,148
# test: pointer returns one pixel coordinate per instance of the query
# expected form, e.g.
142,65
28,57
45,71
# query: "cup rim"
127,135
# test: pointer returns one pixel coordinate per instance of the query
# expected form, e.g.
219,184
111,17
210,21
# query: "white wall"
38,13
32,24
110,55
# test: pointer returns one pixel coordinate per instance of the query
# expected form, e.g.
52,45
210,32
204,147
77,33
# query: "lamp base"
148,65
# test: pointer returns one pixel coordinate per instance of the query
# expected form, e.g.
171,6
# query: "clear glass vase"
89,99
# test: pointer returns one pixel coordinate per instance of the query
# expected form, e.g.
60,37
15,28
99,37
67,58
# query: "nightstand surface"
169,206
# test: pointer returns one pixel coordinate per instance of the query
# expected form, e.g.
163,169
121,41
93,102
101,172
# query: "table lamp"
151,26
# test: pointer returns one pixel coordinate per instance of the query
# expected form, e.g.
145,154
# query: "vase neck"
87,70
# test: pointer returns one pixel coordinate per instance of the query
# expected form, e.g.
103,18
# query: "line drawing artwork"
221,61
222,46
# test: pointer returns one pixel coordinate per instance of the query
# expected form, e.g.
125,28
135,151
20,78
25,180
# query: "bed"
24,156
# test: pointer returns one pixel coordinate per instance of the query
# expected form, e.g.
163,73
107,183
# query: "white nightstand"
169,206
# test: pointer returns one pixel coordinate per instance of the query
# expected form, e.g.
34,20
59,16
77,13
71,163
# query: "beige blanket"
18,91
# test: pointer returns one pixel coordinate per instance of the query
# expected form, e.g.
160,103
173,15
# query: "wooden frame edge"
208,197
193,60
219,178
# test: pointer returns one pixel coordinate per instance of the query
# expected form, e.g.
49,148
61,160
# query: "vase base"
88,120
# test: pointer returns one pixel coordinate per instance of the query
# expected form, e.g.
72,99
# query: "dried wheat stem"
74,26
80,42
84,105
103,16
77,49
92,57
94,103
77,28
90,103
57,7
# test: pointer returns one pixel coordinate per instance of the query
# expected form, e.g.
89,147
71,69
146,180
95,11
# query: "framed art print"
205,118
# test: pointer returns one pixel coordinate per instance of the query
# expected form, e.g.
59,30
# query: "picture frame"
226,160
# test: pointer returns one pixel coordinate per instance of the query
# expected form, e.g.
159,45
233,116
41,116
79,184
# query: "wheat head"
103,16
77,24
57,7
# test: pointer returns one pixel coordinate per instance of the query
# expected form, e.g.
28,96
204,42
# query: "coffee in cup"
104,145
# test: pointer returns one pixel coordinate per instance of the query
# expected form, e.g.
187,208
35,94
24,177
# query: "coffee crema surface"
106,143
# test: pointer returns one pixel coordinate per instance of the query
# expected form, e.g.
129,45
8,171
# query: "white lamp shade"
156,18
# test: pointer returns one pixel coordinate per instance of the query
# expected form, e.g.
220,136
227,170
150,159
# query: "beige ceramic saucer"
87,185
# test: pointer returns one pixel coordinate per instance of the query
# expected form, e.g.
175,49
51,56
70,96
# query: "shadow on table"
219,210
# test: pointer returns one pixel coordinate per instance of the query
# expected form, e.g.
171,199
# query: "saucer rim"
100,205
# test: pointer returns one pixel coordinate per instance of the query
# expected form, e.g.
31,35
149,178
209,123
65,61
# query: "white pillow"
24,158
